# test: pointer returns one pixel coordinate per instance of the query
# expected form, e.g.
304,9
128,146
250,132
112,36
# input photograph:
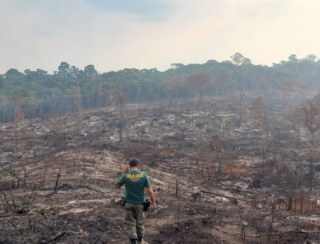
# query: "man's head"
133,163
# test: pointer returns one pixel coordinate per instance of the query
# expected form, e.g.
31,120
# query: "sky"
144,34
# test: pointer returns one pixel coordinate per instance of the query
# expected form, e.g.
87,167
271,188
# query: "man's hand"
152,197
126,169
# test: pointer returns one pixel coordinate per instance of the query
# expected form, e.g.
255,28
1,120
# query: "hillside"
225,170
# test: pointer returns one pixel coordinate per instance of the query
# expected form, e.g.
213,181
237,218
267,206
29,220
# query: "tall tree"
90,71
14,77
239,59
64,70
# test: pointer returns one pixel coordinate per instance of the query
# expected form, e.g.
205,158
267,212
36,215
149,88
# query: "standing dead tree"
271,219
170,89
302,202
312,120
260,119
119,99
177,193
244,218
241,106
76,100
18,100
312,123
210,152
20,116
195,83
57,182
3,109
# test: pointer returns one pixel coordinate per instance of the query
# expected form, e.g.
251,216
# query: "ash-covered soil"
223,169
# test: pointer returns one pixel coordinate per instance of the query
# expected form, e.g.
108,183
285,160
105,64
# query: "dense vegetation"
38,93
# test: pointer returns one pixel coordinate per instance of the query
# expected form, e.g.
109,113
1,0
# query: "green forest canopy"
88,88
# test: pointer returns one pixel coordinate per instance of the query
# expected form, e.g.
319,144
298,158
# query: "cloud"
155,10
119,34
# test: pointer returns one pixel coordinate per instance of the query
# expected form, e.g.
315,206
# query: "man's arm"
151,196
120,182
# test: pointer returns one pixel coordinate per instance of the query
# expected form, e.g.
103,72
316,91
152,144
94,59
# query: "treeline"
36,93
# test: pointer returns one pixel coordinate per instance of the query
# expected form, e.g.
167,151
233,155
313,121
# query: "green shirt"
135,182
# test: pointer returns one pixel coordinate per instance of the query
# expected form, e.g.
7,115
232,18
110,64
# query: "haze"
113,35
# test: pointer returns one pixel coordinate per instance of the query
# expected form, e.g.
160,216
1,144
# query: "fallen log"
54,238
232,199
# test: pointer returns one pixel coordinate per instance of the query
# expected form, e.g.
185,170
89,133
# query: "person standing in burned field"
136,182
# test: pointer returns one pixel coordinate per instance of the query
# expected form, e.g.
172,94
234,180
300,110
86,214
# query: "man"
136,182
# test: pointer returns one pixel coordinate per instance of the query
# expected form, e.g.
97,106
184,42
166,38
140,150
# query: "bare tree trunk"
270,227
57,182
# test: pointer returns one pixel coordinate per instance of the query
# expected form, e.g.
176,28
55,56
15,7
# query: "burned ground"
224,171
